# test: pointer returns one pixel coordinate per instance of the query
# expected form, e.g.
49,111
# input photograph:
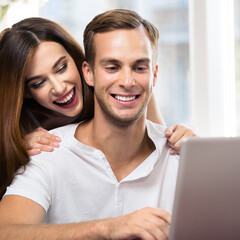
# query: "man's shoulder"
155,128
65,131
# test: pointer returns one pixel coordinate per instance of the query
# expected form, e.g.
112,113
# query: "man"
113,177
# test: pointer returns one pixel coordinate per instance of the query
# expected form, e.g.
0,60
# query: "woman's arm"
153,112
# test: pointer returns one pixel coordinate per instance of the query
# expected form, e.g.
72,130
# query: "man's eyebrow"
143,60
115,61
109,60
39,76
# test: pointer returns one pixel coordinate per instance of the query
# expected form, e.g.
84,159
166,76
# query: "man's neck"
125,147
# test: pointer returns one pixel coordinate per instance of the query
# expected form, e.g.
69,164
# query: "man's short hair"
113,20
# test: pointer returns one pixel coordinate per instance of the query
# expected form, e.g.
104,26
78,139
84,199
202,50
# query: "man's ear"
155,74
88,73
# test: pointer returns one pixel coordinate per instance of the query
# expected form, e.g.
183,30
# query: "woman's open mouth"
67,99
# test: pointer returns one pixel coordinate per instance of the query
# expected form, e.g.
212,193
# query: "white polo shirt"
76,183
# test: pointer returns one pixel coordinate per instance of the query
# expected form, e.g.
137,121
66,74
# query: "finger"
169,131
46,141
34,151
177,145
163,214
173,152
176,135
144,229
42,143
157,227
46,148
50,136
42,133
160,213
140,233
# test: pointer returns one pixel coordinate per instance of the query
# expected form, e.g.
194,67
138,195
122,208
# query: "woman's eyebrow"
58,61
39,76
28,80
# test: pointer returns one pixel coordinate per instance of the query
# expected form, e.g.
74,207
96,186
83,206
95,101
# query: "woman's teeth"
67,98
124,98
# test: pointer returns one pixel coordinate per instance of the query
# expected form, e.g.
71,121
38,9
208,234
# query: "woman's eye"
37,85
62,68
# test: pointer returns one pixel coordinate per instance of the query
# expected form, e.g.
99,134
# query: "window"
212,67
237,62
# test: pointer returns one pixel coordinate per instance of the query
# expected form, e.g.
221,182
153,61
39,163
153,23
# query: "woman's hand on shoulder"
175,134
41,140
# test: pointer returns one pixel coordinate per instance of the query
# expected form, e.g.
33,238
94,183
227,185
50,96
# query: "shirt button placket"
119,202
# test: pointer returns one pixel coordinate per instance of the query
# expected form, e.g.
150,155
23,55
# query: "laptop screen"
207,198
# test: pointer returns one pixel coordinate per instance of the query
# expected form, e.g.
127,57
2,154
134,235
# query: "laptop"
207,198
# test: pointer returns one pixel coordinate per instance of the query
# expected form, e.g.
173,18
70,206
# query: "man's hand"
175,135
41,140
146,224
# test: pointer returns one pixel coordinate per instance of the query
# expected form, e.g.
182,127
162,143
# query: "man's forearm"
147,223
85,230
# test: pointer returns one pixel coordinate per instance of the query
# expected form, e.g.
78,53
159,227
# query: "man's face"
123,77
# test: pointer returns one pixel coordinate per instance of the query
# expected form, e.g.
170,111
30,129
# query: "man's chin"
125,120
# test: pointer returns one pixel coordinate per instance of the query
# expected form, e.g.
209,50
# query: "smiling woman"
40,66
54,83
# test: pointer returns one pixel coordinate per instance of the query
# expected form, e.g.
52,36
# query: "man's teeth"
67,98
124,98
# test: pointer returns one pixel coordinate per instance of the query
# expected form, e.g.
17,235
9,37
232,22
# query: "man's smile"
125,98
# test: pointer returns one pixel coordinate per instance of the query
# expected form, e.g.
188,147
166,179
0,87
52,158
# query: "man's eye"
141,69
62,68
112,68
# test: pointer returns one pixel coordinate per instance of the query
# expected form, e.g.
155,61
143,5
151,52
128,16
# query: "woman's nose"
58,86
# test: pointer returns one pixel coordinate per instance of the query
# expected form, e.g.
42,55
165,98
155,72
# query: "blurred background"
199,52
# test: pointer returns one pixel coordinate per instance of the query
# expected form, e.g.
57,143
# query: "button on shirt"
75,182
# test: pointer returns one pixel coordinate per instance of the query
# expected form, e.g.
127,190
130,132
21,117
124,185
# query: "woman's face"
53,80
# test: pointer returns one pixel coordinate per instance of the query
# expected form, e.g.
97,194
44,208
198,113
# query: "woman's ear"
88,73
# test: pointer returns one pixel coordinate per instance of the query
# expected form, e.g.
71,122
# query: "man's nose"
127,79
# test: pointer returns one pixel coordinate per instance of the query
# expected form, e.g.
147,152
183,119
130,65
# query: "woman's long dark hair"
17,46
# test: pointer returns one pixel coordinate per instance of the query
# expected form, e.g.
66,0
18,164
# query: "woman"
20,114
42,85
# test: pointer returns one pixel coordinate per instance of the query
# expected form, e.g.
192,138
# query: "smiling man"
122,79
113,177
